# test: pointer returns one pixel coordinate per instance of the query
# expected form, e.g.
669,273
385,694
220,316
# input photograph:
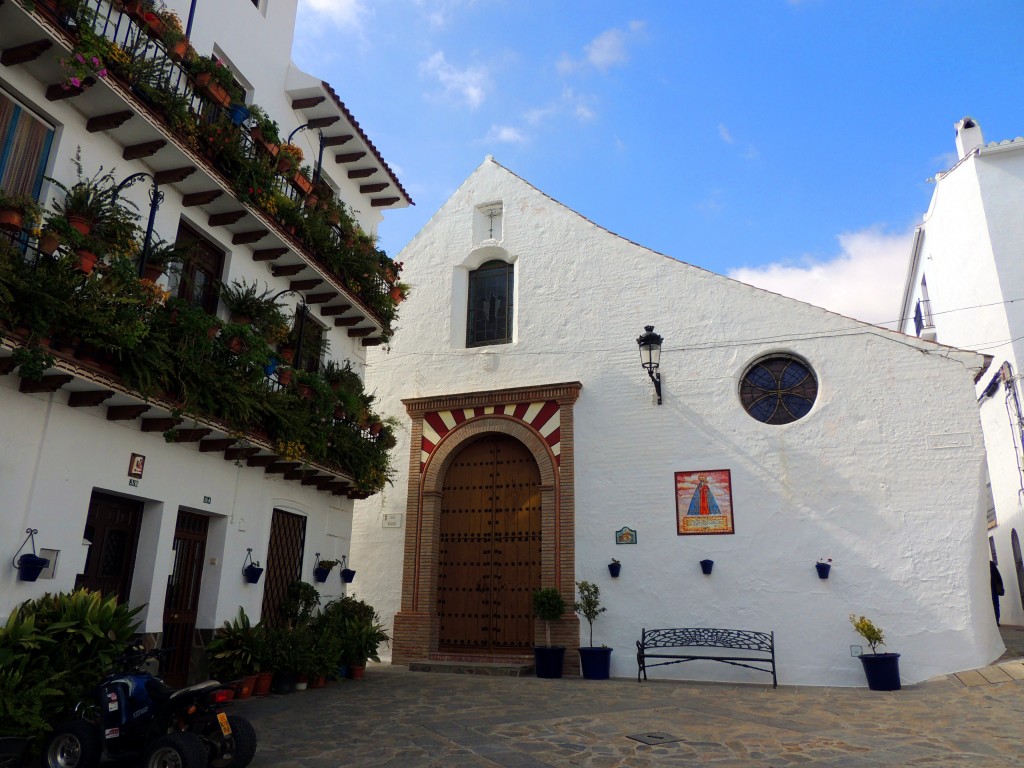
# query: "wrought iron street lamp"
650,356
155,198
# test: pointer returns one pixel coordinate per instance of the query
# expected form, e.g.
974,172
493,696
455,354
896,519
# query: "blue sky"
784,142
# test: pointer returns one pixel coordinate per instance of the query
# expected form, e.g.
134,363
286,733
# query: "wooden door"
489,553
112,527
182,602
284,563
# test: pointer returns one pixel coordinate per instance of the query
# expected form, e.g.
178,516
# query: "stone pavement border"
400,718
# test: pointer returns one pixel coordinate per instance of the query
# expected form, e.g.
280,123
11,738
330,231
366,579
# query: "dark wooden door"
112,527
182,602
489,553
284,563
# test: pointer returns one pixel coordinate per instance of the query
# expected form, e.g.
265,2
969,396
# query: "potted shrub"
594,661
88,200
264,130
212,79
548,605
233,654
251,569
614,567
18,212
363,636
881,669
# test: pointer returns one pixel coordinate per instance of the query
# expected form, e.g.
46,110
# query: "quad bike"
134,713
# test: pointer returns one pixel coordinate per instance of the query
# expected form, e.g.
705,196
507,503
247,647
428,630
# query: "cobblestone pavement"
403,719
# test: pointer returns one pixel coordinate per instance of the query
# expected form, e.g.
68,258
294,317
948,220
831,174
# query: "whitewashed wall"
864,479
971,255
63,454
52,457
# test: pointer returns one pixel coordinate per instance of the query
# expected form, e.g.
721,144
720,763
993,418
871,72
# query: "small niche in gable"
487,223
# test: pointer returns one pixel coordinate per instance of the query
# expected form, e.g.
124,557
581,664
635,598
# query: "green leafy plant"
90,197
235,651
362,637
32,361
300,604
589,605
548,605
54,649
866,629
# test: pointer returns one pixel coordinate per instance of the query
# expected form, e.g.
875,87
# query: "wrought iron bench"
677,646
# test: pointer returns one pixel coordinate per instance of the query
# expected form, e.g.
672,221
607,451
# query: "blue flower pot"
30,566
882,671
596,663
238,113
347,574
548,660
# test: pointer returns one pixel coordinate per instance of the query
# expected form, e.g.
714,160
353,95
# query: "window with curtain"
24,148
489,320
195,280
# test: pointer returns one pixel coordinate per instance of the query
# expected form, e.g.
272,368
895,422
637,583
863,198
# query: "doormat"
653,739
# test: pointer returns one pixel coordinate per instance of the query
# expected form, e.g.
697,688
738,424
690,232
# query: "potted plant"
251,569
595,661
249,305
213,79
322,569
18,212
289,158
87,201
706,566
233,654
548,605
363,636
347,574
614,567
30,566
823,566
264,130
881,669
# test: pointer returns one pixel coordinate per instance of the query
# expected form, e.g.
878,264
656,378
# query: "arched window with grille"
489,316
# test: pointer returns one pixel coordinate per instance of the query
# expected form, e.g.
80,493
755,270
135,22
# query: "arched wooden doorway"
489,548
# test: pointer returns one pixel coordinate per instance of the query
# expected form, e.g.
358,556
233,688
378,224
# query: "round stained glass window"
778,390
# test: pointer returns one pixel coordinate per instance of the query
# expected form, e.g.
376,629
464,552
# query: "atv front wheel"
73,744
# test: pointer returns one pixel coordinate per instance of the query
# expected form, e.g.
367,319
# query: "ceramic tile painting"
704,502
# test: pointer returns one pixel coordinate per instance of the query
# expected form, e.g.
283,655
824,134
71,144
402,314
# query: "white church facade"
963,287
534,450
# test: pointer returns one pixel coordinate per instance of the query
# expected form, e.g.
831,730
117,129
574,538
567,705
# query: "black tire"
235,751
176,750
73,744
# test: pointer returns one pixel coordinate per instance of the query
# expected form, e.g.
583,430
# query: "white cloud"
723,132
469,85
864,280
343,13
505,134
605,51
440,12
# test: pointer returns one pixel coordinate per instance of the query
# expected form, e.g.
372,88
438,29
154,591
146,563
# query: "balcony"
150,104
109,339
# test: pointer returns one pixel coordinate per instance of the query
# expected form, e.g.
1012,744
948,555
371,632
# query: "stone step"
493,669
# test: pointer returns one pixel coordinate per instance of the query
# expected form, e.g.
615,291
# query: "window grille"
489,319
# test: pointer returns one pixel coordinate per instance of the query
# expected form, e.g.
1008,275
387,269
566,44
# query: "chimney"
968,137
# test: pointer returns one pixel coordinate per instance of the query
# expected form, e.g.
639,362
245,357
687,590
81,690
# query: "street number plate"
225,726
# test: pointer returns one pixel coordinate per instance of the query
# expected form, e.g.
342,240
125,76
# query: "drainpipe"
191,18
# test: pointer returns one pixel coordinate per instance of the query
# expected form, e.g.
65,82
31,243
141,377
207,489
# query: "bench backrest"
706,637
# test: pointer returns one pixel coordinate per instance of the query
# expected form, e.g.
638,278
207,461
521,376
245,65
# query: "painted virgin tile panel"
704,502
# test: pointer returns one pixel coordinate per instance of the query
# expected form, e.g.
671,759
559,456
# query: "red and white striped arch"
544,416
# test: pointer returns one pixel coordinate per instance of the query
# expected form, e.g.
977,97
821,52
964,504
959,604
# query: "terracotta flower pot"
79,223
11,219
48,243
263,681
178,50
86,261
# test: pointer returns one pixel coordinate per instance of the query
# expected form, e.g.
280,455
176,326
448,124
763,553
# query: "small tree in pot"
595,662
548,605
881,669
